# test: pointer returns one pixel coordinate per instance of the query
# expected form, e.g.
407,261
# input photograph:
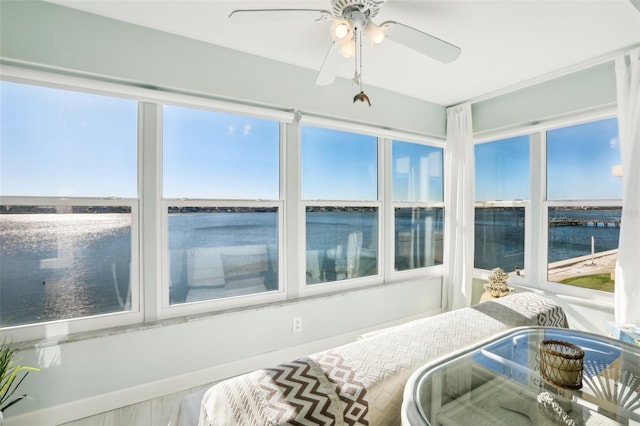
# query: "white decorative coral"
498,283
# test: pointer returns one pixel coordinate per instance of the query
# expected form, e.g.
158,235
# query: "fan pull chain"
362,97
359,41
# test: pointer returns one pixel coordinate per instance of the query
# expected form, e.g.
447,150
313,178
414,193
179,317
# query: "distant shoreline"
64,209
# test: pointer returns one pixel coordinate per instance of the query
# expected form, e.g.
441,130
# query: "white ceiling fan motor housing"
370,8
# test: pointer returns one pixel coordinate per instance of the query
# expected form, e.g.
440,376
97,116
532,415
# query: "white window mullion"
387,240
150,189
294,241
535,246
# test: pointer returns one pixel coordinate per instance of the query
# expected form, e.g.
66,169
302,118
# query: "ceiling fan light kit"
351,19
348,49
341,31
374,32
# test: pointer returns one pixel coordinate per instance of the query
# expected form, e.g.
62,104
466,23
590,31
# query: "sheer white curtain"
627,290
459,210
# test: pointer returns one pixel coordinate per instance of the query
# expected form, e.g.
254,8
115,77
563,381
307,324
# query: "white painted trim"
571,119
315,120
161,95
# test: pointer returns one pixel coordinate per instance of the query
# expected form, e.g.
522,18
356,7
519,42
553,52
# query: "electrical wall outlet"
297,324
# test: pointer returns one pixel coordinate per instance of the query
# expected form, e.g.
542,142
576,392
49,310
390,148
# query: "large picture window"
68,181
220,249
584,193
218,252
417,186
340,190
62,262
502,191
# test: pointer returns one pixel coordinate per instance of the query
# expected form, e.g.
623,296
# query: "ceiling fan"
351,20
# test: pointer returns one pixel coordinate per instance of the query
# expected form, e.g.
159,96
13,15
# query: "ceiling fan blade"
636,3
274,14
421,42
330,66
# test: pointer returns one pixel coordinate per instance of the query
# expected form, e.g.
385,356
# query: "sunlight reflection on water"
58,265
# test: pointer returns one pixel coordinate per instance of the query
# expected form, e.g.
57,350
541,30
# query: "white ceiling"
504,42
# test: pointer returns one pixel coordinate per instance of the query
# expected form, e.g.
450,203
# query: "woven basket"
561,363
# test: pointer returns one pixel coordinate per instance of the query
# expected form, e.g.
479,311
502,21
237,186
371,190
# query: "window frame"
526,204
345,284
148,247
165,308
536,229
545,284
568,289
390,243
168,310
92,323
150,216
39,330
146,291
303,288
523,279
387,275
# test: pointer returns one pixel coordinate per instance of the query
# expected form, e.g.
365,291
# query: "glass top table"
498,382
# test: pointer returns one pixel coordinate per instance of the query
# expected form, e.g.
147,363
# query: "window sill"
111,331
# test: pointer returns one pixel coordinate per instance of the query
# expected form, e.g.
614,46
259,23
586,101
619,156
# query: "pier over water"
564,221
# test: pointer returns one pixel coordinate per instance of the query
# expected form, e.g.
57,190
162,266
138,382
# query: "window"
339,174
502,192
417,187
341,243
62,262
214,155
499,238
338,165
61,143
584,195
222,241
583,161
93,198
68,180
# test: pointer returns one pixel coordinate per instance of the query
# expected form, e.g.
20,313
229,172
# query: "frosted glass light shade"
348,49
374,33
341,31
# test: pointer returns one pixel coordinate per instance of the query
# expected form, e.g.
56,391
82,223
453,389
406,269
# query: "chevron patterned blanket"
362,383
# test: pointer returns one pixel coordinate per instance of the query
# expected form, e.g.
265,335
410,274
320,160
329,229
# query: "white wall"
584,90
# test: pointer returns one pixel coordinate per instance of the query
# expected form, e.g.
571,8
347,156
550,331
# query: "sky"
580,161
55,143
211,155
502,170
63,143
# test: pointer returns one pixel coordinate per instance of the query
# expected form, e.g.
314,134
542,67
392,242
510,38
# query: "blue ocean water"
499,238
499,235
59,266
55,266
566,242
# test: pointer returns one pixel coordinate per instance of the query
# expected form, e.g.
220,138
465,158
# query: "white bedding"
363,382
